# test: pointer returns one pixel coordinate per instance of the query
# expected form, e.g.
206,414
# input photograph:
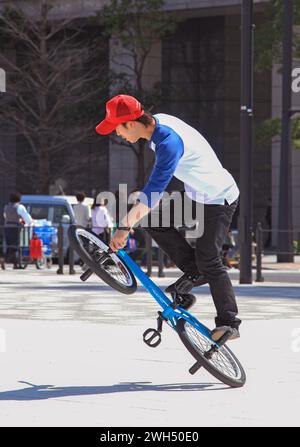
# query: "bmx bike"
119,271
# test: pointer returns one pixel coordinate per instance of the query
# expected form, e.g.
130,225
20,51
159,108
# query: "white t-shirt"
101,219
182,151
82,214
22,212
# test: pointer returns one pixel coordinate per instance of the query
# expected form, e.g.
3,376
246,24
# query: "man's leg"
169,239
217,219
172,242
12,241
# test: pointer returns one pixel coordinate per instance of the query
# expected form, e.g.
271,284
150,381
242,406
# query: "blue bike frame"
168,312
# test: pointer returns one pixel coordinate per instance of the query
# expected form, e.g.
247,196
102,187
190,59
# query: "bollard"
21,236
71,261
259,249
149,253
160,263
109,234
60,240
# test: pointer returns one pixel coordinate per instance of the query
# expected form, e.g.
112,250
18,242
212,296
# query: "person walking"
15,216
101,219
181,151
82,211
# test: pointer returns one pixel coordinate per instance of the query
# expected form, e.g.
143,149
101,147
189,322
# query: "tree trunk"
44,165
44,173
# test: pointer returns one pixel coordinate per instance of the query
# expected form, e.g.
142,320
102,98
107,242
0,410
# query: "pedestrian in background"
82,211
16,216
101,219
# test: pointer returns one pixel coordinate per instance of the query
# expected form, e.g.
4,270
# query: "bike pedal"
152,337
224,338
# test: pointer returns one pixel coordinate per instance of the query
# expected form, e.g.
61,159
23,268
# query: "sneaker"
185,283
186,301
217,333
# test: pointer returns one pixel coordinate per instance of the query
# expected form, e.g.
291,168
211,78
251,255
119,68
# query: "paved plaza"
72,355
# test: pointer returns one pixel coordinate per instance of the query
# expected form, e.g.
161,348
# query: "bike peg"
195,368
85,275
150,341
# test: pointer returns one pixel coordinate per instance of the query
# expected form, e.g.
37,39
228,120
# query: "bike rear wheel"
95,254
223,364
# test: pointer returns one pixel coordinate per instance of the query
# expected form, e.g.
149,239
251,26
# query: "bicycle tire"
74,239
184,331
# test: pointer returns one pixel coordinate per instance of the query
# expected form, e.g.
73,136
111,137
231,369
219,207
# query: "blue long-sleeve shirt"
168,151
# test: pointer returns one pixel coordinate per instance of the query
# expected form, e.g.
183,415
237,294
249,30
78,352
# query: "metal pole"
60,243
149,253
71,261
285,221
160,263
259,249
245,218
21,235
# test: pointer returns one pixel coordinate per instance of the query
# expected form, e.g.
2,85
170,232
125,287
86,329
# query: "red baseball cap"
119,109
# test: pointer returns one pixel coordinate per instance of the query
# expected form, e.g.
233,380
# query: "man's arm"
21,210
137,212
167,158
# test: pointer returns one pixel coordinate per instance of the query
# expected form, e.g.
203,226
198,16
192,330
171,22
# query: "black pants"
12,243
206,258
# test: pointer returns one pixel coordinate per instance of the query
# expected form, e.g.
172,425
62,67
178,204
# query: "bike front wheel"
223,364
95,254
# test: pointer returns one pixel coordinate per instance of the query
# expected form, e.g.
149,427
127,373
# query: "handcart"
36,244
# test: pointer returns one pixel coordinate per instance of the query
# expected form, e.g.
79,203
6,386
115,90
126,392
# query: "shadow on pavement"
38,392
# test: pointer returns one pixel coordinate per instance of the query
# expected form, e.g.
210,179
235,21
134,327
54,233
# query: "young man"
82,211
182,151
101,220
14,214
